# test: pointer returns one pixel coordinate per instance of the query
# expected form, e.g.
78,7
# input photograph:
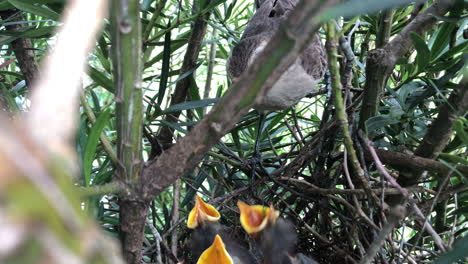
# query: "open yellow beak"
215,254
254,218
202,212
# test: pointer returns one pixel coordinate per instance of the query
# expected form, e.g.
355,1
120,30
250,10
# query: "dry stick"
396,214
405,160
175,216
316,234
211,64
293,133
158,239
404,192
332,44
352,191
441,187
355,200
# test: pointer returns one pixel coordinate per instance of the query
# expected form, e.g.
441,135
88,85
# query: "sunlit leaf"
93,140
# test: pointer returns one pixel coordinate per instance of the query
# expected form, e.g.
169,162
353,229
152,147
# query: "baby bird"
216,254
277,236
203,219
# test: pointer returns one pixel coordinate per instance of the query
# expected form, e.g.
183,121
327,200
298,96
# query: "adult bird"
299,80
203,219
277,236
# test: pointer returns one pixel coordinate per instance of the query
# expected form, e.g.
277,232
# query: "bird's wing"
314,59
242,53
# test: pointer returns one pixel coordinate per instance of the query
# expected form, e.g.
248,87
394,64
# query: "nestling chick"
277,237
203,219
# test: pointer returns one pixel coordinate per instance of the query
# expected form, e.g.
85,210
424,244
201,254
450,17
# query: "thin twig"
439,242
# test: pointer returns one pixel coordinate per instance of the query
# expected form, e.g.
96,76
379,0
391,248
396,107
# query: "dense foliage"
339,208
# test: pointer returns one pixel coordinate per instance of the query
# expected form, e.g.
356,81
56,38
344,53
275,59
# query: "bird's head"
202,213
216,253
255,218
276,235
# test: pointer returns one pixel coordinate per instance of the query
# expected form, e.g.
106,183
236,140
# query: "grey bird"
300,79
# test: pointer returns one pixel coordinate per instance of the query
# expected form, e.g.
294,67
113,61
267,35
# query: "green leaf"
100,79
441,39
6,39
359,7
165,68
190,105
458,49
175,126
378,122
453,158
35,9
146,4
229,10
457,253
187,73
194,93
461,211
192,191
424,54
93,140
461,128
43,2
180,41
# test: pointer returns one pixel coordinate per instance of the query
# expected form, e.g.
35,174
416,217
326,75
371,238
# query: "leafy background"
418,87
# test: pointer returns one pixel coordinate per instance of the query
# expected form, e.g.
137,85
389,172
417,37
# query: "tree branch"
399,159
190,61
439,133
282,50
22,47
382,61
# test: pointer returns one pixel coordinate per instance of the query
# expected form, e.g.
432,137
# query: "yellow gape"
202,212
254,218
215,254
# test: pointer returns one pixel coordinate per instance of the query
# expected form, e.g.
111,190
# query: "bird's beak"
254,218
202,212
216,253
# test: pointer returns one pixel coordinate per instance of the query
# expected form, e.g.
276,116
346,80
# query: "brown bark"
190,61
440,131
23,48
132,228
403,160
